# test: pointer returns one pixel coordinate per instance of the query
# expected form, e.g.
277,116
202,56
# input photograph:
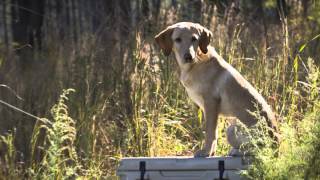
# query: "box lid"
181,163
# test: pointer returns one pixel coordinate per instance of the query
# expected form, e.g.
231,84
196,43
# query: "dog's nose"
188,57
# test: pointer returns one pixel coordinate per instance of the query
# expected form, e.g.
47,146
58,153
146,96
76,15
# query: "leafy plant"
60,160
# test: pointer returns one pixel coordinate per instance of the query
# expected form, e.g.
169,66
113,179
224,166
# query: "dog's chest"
196,97
195,89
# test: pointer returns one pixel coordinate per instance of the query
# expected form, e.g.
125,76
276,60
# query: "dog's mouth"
188,58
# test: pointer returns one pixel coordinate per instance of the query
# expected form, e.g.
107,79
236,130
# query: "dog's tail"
272,123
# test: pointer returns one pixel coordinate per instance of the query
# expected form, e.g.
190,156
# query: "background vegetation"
99,89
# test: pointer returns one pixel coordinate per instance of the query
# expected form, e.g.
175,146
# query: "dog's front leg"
211,130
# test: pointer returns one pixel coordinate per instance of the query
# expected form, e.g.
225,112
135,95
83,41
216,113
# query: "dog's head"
184,39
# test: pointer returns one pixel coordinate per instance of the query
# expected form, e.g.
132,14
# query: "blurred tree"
27,18
7,20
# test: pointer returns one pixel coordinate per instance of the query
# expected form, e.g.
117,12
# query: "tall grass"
10,168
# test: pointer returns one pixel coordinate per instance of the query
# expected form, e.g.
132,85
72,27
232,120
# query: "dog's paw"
201,153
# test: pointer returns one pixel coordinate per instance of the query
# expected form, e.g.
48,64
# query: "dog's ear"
164,40
205,38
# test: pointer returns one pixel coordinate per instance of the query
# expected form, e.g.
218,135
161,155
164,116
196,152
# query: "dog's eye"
178,40
193,39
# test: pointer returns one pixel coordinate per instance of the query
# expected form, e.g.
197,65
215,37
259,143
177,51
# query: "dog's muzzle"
188,58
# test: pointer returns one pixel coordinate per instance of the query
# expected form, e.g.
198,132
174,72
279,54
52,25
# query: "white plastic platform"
181,168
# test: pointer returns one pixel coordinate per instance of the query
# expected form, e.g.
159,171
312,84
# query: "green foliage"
315,12
297,156
60,160
10,169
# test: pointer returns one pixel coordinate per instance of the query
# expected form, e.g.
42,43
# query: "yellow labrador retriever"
213,84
